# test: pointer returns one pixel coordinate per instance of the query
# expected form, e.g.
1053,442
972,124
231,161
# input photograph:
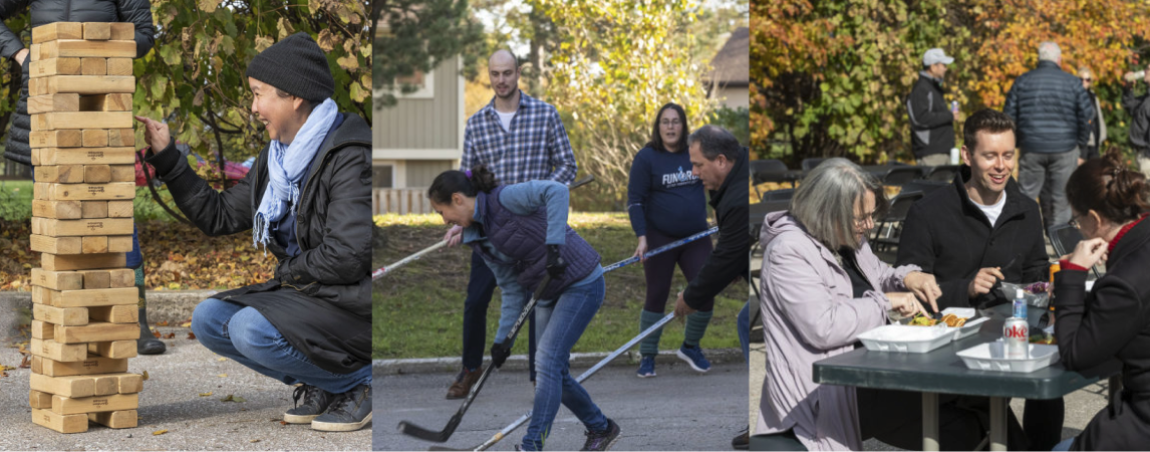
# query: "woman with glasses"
822,287
666,203
1109,203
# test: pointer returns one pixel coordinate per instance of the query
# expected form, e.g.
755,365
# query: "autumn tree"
415,36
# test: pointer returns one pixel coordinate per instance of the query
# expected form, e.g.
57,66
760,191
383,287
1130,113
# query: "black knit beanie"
295,65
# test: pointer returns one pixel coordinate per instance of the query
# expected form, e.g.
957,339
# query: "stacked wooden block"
84,311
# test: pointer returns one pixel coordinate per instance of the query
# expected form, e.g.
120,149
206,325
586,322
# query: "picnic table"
941,371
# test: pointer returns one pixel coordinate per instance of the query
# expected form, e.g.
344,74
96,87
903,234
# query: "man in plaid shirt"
520,139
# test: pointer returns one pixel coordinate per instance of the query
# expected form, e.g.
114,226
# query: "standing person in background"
931,121
1138,107
520,139
1052,114
666,203
1098,129
16,147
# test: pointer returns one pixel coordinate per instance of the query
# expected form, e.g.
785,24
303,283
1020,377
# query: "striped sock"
650,344
696,327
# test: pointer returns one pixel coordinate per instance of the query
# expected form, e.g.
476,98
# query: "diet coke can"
1016,331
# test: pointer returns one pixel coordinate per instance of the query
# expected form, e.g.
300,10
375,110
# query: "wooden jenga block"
57,245
120,209
94,66
129,383
60,174
115,419
57,280
97,279
95,332
123,173
87,156
75,386
118,402
42,330
35,157
64,48
120,244
114,349
60,316
74,423
95,138
49,348
91,366
107,102
53,262
123,277
98,174
94,209
82,120
39,400
96,244
64,210
80,228
97,31
123,31
54,66
34,52
119,66
54,102
124,313
57,138
84,192
57,30
112,296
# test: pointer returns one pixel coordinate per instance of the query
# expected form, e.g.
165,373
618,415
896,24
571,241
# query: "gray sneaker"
315,402
349,412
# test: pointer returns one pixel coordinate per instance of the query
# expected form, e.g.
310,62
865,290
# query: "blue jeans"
244,335
561,325
744,326
480,286
1064,445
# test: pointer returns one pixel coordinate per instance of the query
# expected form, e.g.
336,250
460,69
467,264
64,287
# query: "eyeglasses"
1074,221
671,123
862,221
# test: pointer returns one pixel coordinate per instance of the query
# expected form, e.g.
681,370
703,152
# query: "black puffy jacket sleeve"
10,42
139,12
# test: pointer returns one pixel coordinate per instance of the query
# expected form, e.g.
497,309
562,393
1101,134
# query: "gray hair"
824,203
715,140
1049,51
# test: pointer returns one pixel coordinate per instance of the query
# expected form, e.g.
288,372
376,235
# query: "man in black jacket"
981,230
1053,114
307,199
931,121
1098,131
1139,109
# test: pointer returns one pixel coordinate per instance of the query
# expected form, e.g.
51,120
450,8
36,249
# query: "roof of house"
731,66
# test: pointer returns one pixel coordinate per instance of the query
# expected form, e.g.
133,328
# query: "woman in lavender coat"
822,286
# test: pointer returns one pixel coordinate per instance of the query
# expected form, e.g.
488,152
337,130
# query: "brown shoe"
463,382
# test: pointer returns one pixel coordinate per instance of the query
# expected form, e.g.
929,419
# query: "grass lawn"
418,310
15,199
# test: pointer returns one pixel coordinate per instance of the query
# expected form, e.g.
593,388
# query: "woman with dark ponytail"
1109,203
521,232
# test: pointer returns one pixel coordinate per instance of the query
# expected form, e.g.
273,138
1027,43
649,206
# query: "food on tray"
1043,338
1038,287
953,320
950,320
921,320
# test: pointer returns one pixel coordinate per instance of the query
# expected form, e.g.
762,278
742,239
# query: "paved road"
678,410
171,402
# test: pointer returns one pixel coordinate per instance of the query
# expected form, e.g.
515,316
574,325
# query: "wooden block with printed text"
56,245
107,102
49,348
120,209
87,156
87,297
64,48
74,423
118,402
95,332
85,227
115,419
54,262
54,66
60,174
84,192
57,30
119,66
123,313
97,174
91,366
94,209
57,280
56,138
97,31
64,210
95,138
82,120
60,317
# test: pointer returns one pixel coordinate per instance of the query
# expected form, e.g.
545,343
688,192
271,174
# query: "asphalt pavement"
677,410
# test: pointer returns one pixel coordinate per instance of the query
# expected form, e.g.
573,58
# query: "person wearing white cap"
931,121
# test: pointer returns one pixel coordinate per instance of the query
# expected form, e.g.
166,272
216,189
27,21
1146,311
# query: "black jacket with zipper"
931,122
1051,110
1111,322
45,12
1138,107
320,300
947,235
729,261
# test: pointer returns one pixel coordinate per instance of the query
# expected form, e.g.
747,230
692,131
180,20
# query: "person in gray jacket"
931,121
1053,114
1098,126
1139,109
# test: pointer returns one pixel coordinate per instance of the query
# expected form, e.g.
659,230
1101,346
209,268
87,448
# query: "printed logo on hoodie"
679,179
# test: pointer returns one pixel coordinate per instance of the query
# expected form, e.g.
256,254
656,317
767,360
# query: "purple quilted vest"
522,238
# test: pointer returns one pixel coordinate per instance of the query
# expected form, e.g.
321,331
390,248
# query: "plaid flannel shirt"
536,148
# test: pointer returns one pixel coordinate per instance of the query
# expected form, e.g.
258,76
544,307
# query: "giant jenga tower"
84,300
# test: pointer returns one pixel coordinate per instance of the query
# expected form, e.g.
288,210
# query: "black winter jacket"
320,300
931,122
1111,322
1138,107
947,235
729,261
45,12
1051,110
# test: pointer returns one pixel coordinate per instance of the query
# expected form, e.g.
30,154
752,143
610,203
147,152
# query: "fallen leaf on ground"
159,432
283,422
145,375
233,398
156,333
164,323
222,375
221,359
191,335
205,394
255,441
186,325
26,362
169,335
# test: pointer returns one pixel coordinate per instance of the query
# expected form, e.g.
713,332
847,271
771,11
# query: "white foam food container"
905,338
992,357
971,326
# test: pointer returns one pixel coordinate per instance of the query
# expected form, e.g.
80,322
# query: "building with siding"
729,81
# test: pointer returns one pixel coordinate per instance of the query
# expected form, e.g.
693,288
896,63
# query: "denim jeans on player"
561,324
244,335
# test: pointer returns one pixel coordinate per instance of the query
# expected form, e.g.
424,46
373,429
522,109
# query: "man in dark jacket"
307,199
1097,123
16,147
984,208
931,121
1138,107
1053,115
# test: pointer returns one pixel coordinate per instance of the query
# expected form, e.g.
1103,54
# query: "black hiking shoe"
147,344
349,412
743,441
602,440
315,402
